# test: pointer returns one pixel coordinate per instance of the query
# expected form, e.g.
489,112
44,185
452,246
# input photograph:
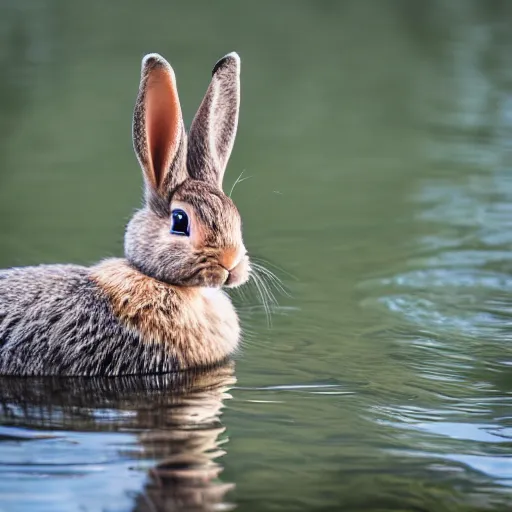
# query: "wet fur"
161,308
204,325
108,320
54,320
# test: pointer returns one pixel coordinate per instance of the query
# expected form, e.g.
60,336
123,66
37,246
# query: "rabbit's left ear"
158,131
213,130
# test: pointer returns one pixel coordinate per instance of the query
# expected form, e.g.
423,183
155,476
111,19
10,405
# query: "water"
379,140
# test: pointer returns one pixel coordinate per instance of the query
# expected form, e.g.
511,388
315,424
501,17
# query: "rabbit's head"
189,233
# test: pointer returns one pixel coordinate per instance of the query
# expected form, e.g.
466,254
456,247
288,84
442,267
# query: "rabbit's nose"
230,258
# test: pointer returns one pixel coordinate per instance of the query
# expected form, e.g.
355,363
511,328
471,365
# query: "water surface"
378,138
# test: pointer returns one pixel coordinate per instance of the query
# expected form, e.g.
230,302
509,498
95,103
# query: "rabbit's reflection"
176,416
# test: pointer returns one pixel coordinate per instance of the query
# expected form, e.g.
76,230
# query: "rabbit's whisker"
272,278
269,264
263,294
238,180
264,281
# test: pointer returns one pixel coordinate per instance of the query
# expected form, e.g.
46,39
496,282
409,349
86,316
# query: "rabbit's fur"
161,308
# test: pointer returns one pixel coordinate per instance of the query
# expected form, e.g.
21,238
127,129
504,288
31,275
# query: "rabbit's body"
108,319
54,319
161,308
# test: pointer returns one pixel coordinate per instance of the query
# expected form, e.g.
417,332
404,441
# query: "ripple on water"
449,314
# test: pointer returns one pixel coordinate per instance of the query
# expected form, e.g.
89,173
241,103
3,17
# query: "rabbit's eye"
179,223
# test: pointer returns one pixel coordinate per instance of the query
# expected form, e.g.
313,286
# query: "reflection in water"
175,418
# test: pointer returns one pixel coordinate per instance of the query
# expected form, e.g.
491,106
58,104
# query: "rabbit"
162,307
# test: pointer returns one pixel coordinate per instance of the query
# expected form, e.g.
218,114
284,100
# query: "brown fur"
208,156
197,329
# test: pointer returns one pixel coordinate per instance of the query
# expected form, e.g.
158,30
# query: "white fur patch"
209,293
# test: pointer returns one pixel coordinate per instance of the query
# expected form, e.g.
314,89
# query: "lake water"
378,138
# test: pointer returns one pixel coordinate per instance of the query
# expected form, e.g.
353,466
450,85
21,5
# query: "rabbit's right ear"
213,130
158,130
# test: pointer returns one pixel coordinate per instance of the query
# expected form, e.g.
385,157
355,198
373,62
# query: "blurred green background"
377,135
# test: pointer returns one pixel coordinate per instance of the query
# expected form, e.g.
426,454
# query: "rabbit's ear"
213,129
158,132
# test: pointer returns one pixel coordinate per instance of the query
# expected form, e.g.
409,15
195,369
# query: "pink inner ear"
163,116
